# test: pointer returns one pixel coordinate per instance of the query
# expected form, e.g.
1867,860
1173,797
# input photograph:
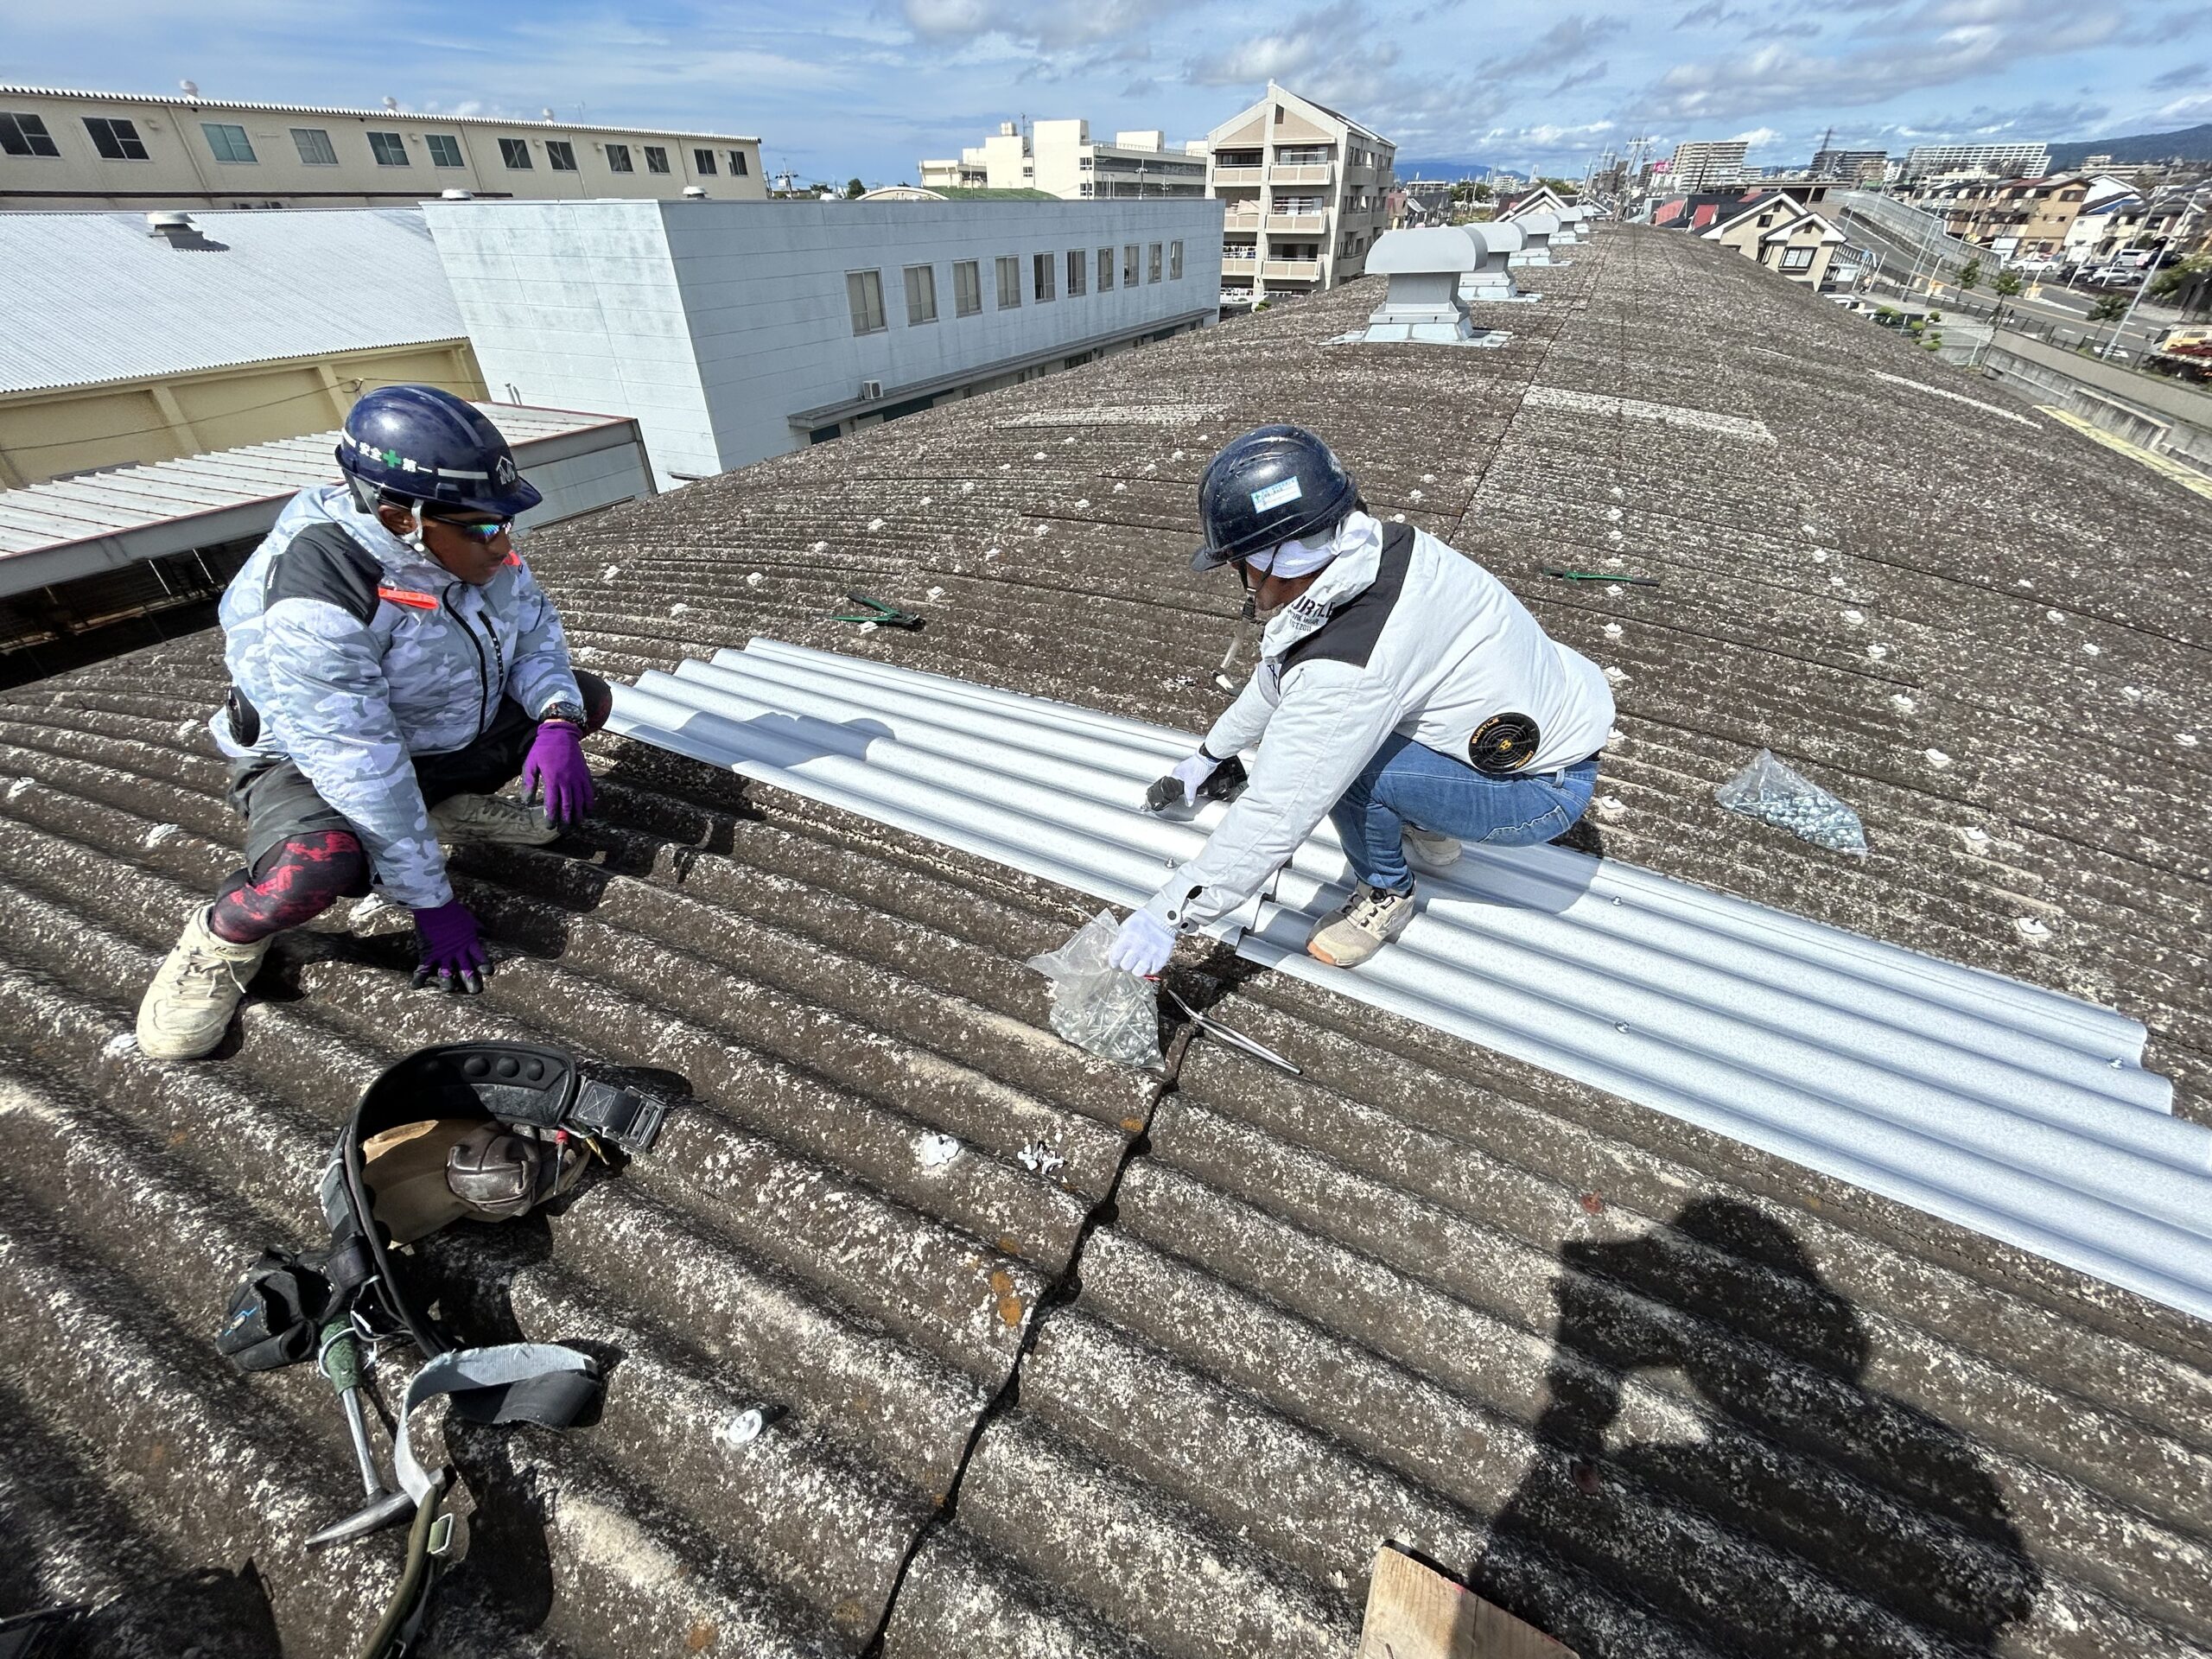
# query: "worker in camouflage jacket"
392,664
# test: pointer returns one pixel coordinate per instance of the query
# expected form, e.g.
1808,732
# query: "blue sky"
843,87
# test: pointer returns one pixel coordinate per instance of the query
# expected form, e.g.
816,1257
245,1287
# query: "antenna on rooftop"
189,88
547,113
390,102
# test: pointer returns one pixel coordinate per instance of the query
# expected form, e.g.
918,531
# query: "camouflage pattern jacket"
360,652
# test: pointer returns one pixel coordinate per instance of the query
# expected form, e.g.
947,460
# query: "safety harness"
489,1131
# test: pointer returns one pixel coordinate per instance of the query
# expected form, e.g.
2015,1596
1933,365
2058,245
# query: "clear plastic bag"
1098,1007
1773,793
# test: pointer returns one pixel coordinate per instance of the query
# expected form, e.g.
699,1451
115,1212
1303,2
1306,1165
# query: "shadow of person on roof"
1767,1502
699,802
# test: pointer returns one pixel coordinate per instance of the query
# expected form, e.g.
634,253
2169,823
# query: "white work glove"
1191,773
1143,945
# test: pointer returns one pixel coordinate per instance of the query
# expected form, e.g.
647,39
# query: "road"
2050,309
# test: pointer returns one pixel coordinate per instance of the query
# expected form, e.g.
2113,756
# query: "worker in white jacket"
1402,691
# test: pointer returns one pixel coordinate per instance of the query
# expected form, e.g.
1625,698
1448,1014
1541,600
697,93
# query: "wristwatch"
570,714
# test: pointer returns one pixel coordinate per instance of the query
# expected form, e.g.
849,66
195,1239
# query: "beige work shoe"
1348,935
490,821
196,990
1431,851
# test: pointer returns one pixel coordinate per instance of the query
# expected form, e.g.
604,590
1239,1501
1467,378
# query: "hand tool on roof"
1225,783
1601,575
876,611
1236,1040
1245,621
337,1356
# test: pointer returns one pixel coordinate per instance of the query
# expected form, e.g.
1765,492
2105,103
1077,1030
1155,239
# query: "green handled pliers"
883,615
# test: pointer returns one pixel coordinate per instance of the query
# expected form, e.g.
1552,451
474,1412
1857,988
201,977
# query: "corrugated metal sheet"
94,297
1992,1103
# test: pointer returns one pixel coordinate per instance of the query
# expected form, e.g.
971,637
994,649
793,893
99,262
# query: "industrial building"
137,337
63,149
1304,192
734,332
100,563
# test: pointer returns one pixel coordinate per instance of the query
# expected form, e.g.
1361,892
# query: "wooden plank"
1416,1612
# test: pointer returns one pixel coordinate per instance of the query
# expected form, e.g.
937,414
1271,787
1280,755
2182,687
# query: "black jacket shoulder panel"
323,562
1349,634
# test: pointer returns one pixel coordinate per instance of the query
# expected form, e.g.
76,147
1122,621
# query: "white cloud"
1760,138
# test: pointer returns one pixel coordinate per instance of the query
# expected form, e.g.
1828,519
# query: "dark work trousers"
301,855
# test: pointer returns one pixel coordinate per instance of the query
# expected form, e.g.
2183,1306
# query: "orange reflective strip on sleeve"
408,597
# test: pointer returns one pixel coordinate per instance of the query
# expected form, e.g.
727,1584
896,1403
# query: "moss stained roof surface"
1663,1396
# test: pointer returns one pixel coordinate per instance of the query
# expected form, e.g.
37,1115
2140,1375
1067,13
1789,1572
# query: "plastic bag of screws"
1772,793
1095,1004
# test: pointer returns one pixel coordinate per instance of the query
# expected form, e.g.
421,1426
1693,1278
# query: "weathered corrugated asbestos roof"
98,297
1661,1394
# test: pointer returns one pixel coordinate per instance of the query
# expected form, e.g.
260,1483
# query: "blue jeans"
1408,782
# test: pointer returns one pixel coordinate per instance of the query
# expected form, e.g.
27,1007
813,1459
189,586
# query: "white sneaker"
1348,935
1431,851
195,991
490,821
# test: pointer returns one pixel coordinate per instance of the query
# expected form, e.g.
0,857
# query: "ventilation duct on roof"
2009,1110
1423,268
1537,230
1491,280
171,223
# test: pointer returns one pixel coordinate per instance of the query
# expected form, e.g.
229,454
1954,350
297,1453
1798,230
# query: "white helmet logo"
503,471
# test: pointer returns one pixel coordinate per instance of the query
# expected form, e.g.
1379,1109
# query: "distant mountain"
2190,143
1431,168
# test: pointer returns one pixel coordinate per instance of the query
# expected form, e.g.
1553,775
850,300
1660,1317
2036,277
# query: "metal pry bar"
1235,1039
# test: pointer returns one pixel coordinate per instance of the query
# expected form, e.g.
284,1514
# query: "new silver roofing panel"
2007,1109
96,297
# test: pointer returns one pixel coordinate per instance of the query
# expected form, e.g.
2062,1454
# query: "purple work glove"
556,765
452,954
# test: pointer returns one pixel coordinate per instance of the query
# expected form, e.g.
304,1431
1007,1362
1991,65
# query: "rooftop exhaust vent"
169,223
1491,280
1538,229
456,195
695,193
1424,269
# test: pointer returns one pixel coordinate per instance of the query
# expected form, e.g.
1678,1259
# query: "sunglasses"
478,530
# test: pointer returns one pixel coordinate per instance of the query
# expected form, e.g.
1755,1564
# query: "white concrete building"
1998,160
62,148
1708,166
1059,158
1302,190
736,331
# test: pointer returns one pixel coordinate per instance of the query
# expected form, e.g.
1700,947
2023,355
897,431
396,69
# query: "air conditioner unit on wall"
871,388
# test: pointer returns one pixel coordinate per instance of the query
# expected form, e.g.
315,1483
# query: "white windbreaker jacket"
1403,634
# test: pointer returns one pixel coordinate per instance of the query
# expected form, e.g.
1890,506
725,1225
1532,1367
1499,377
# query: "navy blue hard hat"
430,446
1274,485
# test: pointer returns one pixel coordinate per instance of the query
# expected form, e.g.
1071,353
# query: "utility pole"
2143,288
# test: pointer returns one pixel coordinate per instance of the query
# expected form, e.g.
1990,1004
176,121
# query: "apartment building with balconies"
1059,158
1303,192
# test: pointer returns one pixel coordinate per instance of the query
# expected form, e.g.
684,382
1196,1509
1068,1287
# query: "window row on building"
1138,264
118,140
